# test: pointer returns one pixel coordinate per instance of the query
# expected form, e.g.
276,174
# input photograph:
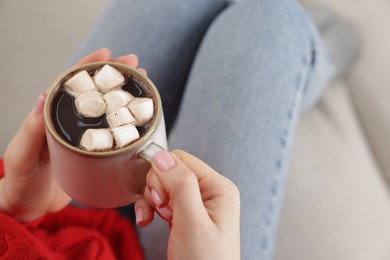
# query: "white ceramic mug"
104,179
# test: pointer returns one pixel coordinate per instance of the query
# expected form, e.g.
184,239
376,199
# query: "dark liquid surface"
70,125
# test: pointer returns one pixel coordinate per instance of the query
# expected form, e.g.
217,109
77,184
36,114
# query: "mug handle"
148,151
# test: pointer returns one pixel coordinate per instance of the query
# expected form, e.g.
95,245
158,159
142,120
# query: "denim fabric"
247,70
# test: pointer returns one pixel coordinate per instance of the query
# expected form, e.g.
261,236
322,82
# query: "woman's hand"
28,189
201,206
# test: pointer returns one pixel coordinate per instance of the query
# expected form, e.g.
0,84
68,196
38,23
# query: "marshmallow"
117,99
119,117
97,140
90,104
79,83
124,135
108,79
142,109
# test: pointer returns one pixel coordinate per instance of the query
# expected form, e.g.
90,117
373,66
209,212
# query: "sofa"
336,202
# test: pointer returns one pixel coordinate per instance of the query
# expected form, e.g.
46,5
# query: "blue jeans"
234,78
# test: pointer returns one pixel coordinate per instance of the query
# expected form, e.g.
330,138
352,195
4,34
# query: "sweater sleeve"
71,233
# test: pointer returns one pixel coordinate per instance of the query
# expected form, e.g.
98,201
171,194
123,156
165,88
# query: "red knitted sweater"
72,233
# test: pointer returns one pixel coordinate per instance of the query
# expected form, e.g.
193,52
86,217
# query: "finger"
99,55
156,193
164,212
144,212
142,71
216,189
182,188
24,151
211,182
130,60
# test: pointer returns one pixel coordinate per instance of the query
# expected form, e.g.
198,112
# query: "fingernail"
164,160
156,198
139,215
39,105
132,55
105,49
143,71
165,213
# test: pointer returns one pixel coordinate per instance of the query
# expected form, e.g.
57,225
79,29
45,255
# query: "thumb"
182,187
24,151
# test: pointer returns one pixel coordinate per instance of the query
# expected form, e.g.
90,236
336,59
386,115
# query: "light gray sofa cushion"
337,203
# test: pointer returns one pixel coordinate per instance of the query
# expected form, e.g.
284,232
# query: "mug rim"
135,146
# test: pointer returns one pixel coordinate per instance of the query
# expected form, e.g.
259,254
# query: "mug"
111,178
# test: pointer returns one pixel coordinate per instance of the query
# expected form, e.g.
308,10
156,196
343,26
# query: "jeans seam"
308,62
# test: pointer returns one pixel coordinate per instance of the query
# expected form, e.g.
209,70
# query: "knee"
270,24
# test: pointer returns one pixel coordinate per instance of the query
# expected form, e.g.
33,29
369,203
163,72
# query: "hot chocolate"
119,105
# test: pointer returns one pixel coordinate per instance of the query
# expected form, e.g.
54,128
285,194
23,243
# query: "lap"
247,70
